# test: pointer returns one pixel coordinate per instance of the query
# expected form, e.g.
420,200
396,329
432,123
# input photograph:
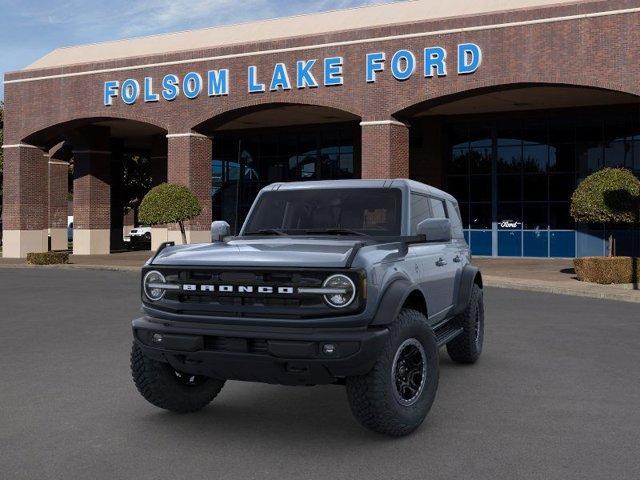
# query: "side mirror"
435,229
219,230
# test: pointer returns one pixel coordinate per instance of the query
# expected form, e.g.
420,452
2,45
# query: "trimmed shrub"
48,258
609,195
607,270
169,203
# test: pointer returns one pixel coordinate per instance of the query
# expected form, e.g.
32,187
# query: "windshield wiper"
268,231
337,231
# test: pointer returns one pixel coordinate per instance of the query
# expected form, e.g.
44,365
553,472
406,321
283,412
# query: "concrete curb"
604,292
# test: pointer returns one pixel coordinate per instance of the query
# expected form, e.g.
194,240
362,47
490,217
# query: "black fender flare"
467,279
392,301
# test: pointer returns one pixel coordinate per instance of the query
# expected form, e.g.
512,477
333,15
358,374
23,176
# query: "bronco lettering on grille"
237,289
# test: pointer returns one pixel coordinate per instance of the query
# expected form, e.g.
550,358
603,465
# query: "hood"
263,252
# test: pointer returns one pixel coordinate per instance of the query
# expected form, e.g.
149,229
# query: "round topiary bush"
609,196
169,203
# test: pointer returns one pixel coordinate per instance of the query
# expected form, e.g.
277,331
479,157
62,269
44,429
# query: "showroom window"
519,173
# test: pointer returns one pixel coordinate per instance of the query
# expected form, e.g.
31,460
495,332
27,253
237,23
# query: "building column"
25,201
92,193
58,191
385,149
159,233
189,164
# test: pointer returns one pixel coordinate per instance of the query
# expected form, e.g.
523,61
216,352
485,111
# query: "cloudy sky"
31,28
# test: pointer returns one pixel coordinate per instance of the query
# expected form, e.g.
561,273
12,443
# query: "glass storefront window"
459,161
562,157
559,217
509,188
535,158
618,154
276,155
538,159
480,188
589,157
510,158
480,215
509,215
480,160
535,187
535,216
458,186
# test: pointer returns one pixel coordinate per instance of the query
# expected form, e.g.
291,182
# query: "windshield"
350,211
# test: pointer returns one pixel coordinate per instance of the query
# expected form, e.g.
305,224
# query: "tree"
609,196
169,203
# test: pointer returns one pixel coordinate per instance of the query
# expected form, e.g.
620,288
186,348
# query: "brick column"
92,192
24,200
159,233
58,190
189,164
385,149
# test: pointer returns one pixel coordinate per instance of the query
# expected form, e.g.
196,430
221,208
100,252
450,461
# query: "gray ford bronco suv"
350,282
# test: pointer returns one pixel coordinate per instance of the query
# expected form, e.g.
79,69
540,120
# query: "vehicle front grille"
250,304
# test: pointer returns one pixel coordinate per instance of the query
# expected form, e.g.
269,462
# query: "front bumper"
288,356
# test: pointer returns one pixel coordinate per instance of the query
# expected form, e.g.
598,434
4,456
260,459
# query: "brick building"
506,104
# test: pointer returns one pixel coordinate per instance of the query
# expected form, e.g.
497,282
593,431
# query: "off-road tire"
158,384
371,396
467,347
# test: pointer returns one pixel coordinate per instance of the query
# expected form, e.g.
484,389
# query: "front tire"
166,388
467,347
396,395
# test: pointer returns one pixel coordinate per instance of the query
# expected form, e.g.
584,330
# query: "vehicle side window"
419,210
456,223
438,209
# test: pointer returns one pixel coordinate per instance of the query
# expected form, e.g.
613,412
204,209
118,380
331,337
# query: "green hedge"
607,270
48,258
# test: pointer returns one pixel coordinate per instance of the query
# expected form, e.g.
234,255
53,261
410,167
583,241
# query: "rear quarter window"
437,208
454,217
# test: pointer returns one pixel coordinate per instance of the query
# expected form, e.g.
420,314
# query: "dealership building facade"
505,104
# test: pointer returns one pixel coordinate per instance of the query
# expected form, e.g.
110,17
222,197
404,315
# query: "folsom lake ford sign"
309,73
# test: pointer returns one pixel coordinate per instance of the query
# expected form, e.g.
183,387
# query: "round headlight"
150,283
344,291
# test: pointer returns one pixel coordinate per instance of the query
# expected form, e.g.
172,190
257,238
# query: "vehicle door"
428,261
461,249
449,259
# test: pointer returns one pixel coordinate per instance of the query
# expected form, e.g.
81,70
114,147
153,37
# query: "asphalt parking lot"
555,395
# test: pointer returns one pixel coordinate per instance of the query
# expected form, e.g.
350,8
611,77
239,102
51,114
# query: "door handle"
457,259
441,262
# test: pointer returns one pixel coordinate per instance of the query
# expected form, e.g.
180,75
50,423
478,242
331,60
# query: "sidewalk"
538,275
548,275
130,261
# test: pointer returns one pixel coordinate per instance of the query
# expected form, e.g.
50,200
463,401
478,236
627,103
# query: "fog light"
157,338
329,348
